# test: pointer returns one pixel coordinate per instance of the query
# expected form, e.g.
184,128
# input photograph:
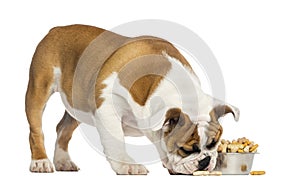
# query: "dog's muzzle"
203,161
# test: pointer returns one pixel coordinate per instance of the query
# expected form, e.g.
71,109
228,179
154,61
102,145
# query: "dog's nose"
204,163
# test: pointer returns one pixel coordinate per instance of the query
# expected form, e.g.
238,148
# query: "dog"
124,86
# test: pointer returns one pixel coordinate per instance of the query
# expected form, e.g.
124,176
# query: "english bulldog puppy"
124,86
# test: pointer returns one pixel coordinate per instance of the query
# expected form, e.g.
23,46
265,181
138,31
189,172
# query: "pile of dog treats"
241,145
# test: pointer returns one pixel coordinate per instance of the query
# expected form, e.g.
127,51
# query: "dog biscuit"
207,173
257,172
241,145
253,148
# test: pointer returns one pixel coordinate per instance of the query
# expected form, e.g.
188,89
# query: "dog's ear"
173,117
221,109
177,129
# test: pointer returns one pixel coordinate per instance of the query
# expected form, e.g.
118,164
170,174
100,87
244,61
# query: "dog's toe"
132,169
65,165
41,166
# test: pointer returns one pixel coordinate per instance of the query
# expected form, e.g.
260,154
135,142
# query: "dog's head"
192,145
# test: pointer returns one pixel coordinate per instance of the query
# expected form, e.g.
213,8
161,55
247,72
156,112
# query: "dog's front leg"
156,138
109,126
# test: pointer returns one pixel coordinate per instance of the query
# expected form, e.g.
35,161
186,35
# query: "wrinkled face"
192,146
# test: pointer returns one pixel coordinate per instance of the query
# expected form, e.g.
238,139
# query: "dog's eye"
184,152
196,148
173,121
211,144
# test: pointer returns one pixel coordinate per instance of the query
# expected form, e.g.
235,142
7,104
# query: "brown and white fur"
116,94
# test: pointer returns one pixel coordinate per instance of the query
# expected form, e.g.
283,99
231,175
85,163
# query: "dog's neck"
183,90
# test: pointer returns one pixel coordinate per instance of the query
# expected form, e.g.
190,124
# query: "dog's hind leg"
64,129
38,92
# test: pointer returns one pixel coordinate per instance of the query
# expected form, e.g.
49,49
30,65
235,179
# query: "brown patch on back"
141,66
142,76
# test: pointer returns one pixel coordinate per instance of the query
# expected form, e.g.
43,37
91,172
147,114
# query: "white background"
256,43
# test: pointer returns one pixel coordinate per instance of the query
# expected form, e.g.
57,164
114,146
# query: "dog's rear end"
52,52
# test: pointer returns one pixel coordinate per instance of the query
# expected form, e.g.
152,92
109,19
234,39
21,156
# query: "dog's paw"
132,169
65,165
41,166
